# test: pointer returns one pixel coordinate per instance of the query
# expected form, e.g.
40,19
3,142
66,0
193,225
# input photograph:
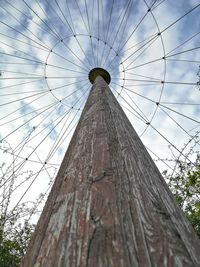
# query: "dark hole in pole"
99,71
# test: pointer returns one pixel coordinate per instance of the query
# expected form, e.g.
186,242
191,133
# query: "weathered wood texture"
110,206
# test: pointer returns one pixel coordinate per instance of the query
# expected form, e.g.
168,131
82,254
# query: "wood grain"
110,206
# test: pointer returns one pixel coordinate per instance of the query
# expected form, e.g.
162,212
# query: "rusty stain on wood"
110,206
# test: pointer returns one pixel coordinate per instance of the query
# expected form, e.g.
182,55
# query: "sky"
47,48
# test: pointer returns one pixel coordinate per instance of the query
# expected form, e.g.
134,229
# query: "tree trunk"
110,206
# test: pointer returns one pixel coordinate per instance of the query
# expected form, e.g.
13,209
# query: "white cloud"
61,62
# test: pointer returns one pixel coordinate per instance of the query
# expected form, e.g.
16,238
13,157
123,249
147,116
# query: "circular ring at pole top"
99,71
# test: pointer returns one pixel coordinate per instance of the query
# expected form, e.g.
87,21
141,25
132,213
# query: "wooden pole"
110,206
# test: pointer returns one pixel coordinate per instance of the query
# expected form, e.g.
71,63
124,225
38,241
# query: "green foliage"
194,217
185,185
15,219
14,238
9,252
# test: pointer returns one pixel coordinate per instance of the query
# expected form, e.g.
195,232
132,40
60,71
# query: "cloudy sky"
47,48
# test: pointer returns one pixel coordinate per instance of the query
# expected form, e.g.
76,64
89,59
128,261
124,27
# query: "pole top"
99,71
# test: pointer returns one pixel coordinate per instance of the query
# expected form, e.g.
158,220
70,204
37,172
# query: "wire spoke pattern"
47,50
